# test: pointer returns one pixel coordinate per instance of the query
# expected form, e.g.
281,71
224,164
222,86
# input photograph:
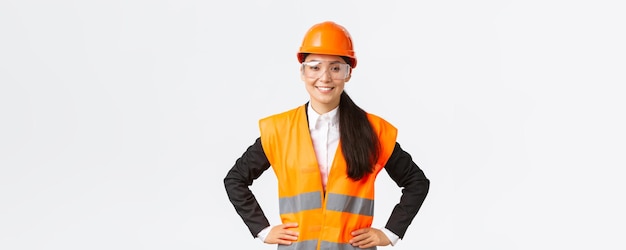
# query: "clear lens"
315,69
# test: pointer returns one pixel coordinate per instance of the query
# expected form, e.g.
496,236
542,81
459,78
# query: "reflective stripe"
325,245
300,245
305,201
350,204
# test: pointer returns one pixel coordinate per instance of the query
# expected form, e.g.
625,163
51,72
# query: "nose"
325,77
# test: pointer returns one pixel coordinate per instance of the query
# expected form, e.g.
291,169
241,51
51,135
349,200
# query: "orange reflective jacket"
325,221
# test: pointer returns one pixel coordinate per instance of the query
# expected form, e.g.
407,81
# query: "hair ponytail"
359,142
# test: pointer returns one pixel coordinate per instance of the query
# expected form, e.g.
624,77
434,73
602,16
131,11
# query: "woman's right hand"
282,234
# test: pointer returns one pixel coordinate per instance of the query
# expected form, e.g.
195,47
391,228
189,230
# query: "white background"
120,119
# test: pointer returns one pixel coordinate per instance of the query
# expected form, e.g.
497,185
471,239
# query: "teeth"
324,88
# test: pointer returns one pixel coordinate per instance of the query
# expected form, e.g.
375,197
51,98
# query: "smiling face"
324,90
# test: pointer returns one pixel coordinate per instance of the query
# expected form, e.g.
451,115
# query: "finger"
290,232
283,242
359,231
364,243
289,235
290,225
367,245
359,236
359,240
278,240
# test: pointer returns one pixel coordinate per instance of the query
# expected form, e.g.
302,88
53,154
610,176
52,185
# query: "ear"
349,76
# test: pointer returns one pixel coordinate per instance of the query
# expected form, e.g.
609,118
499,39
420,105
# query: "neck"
323,108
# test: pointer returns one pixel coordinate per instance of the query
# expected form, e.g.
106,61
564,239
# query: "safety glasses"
335,70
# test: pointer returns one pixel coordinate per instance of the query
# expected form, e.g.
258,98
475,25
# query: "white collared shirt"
324,130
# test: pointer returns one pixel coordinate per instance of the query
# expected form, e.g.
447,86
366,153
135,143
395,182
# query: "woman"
326,155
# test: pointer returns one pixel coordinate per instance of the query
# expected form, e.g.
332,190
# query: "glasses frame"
330,63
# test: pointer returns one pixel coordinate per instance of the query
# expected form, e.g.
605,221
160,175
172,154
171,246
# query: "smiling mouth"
325,88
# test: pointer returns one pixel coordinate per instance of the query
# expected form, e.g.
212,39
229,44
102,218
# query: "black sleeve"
248,168
414,184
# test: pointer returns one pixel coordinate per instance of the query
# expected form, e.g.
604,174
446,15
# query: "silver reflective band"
338,246
335,202
300,245
312,244
294,204
350,204
316,69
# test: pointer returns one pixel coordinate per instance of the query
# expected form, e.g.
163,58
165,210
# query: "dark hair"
359,142
347,60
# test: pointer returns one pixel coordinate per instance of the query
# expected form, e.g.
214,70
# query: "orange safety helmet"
327,38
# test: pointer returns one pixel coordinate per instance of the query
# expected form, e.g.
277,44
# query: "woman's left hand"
369,237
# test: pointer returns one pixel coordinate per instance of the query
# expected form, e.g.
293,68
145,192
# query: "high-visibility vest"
325,221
